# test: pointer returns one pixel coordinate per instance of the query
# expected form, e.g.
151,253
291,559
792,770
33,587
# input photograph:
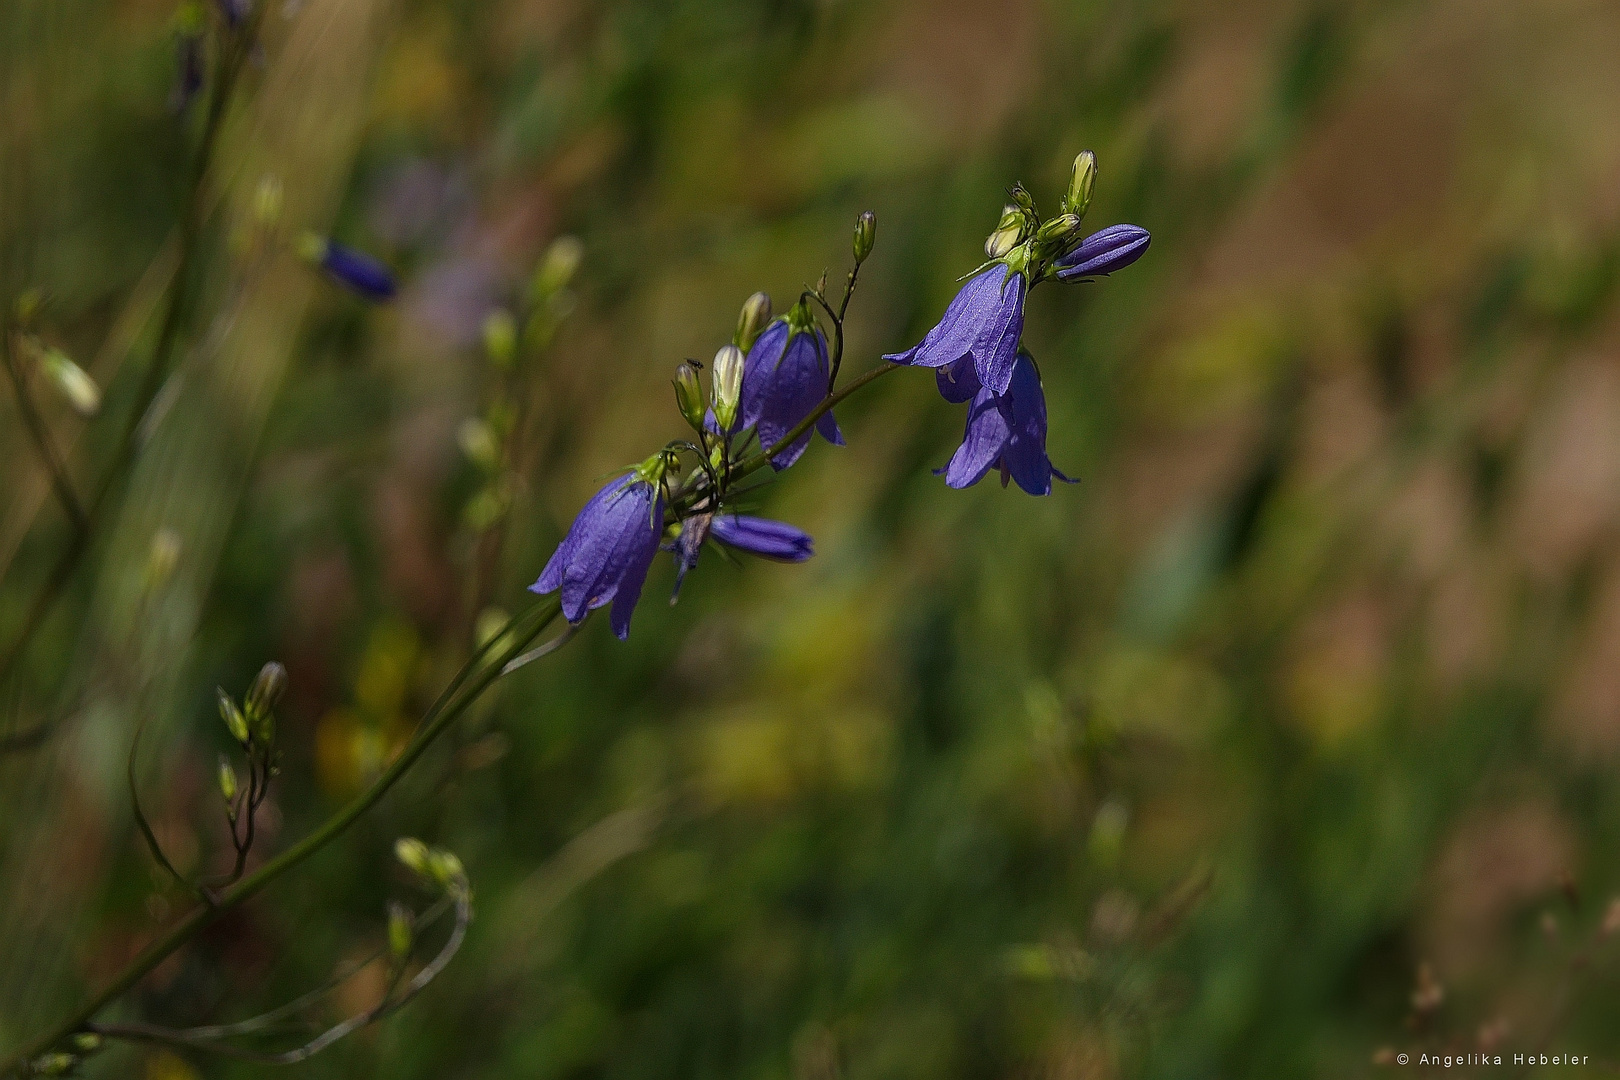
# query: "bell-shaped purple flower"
983,324
784,379
355,270
1008,432
1103,252
763,537
608,550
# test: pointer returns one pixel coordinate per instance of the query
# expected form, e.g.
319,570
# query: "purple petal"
607,552
764,537
958,382
976,309
795,386
1103,252
982,444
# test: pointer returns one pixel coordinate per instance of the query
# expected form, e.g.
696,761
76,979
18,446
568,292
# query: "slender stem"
60,481
475,676
145,826
754,462
231,61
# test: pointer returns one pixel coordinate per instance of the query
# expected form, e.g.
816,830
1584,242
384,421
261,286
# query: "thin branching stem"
476,676
61,482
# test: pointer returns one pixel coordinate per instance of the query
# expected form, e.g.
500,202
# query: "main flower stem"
476,676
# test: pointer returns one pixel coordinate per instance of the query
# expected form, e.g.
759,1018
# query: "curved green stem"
756,461
476,676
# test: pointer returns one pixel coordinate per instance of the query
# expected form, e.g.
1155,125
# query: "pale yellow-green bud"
87,1042
415,855
54,1064
447,870
235,722
399,931
557,266
500,338
267,202
1009,233
1057,235
689,395
227,781
1082,181
865,235
479,443
267,688
727,380
755,316
70,380
161,559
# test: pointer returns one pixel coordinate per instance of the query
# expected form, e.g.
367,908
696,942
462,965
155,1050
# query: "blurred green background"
1180,772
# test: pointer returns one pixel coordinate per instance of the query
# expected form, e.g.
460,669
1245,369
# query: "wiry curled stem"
480,672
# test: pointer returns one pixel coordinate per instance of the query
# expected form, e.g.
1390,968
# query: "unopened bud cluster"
435,866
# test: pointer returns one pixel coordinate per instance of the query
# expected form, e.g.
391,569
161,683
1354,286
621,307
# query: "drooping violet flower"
1103,252
609,548
1007,431
763,537
784,379
756,535
983,323
359,272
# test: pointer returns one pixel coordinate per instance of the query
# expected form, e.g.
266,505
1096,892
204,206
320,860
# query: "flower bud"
87,1042
235,722
756,315
447,869
1024,201
726,383
1008,235
399,931
689,394
557,266
267,688
161,560
1081,182
70,380
1056,235
414,854
500,338
54,1064
865,235
227,781
267,200
355,270
477,440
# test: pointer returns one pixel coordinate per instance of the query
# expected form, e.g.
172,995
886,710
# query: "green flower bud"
399,931
227,781
1009,232
1024,201
267,688
1081,182
726,383
689,394
557,267
756,315
865,235
447,869
70,380
414,854
267,202
479,443
234,720
87,1042
1057,235
500,339
54,1064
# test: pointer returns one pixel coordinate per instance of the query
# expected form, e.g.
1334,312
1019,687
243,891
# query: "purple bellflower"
756,535
1103,252
353,269
1007,431
981,325
784,379
609,548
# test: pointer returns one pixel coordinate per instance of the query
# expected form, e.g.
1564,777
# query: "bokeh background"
1311,683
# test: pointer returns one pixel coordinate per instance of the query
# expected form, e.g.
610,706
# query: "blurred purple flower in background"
1007,431
983,323
353,269
609,548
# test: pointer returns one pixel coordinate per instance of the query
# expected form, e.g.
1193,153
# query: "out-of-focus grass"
1181,771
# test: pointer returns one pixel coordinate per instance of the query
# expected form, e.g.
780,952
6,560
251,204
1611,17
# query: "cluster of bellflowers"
775,382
